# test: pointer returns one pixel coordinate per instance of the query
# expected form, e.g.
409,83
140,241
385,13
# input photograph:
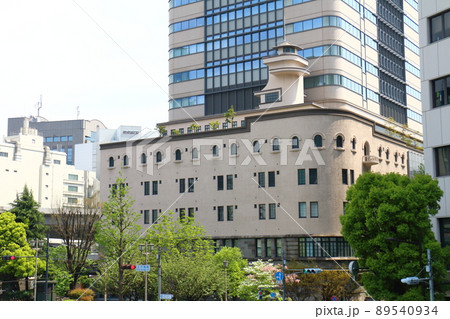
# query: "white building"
434,23
86,154
24,160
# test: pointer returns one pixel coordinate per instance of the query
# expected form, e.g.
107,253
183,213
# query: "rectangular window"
440,26
313,175
442,155
314,210
220,213
444,230
73,177
191,211
441,91
269,242
57,162
230,213
271,179
154,216
324,247
190,185
229,182
155,188
146,188
182,183
220,183
73,188
301,176
146,216
261,179
344,177
279,247
262,211
272,211
72,200
302,210
352,177
258,247
182,212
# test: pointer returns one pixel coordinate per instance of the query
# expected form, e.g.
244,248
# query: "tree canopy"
27,211
387,222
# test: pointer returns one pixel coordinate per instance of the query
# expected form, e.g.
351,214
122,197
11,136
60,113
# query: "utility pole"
284,277
159,273
430,276
46,269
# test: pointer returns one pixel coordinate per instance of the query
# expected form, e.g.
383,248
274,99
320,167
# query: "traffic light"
411,280
8,257
260,295
312,270
132,267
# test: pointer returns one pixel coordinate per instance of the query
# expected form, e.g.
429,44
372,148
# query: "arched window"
125,160
256,147
178,155
215,151
366,148
275,144
353,143
379,152
387,155
396,157
339,141
111,161
233,149
318,140
158,157
194,153
143,158
295,143
403,158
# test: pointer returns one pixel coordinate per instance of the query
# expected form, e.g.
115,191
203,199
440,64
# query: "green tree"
161,130
194,127
214,125
235,269
27,211
118,231
230,114
188,267
13,242
259,275
393,206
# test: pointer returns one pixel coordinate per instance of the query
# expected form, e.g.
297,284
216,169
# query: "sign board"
167,296
279,276
334,298
272,295
142,267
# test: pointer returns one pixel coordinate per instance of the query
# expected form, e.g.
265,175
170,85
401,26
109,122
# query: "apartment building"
435,65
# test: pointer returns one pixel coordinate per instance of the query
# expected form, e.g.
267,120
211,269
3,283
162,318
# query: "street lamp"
225,264
143,249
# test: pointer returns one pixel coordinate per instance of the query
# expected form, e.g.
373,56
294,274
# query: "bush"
85,294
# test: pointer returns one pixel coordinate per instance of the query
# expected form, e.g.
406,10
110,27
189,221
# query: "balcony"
370,160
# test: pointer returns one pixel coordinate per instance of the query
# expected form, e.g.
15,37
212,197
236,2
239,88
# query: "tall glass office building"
363,54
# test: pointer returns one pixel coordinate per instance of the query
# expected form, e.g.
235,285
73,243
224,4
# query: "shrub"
85,294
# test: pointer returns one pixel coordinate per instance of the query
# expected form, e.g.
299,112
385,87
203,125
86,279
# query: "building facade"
435,47
266,180
25,160
60,135
363,52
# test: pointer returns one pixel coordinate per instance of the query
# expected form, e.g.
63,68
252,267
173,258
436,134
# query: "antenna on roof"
38,105
78,112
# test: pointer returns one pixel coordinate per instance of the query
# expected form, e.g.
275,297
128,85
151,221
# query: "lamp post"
225,265
143,249
159,273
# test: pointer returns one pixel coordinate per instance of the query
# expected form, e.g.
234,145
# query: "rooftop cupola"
286,71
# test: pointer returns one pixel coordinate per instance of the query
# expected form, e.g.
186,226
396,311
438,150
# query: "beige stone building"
270,179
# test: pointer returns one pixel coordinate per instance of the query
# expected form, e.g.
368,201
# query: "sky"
107,57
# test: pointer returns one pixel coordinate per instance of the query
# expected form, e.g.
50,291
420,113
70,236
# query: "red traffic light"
132,267
8,257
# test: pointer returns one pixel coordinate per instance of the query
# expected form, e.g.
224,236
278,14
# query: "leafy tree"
118,231
214,125
259,275
393,206
13,242
230,114
235,269
194,127
188,267
162,130
76,227
27,211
